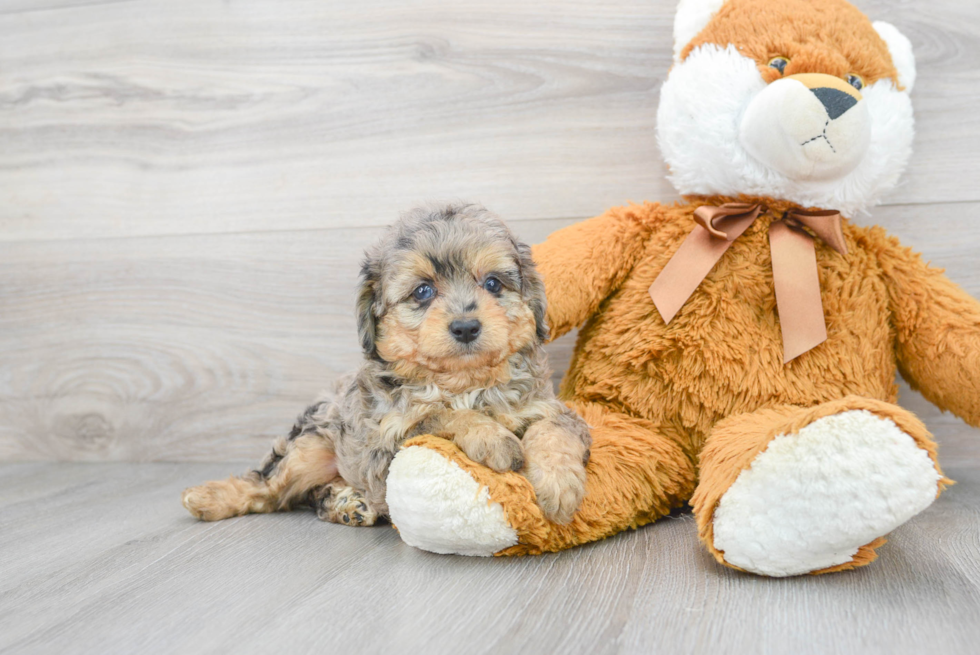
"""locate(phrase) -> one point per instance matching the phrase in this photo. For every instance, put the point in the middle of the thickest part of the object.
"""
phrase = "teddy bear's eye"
(779, 63)
(855, 81)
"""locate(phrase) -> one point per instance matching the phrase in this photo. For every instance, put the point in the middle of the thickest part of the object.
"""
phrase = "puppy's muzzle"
(465, 331)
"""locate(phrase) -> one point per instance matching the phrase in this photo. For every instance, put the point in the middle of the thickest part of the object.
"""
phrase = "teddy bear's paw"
(812, 499)
(559, 488)
(439, 507)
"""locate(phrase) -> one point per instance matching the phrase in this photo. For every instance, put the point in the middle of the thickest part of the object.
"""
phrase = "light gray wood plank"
(184, 348)
(202, 348)
(30, 6)
(109, 562)
(186, 117)
(190, 116)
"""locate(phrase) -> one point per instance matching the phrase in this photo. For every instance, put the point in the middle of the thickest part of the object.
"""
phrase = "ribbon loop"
(729, 216)
(794, 264)
(826, 224)
(699, 253)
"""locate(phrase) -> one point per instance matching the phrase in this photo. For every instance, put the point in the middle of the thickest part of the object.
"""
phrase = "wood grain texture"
(178, 348)
(101, 558)
(192, 116)
(204, 347)
(196, 116)
(186, 187)
(185, 190)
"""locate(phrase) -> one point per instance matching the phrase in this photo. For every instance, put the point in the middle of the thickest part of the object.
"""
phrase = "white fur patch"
(900, 49)
(789, 129)
(692, 16)
(810, 500)
(701, 108)
(440, 508)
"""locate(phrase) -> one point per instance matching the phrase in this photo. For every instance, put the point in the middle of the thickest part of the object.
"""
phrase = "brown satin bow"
(794, 266)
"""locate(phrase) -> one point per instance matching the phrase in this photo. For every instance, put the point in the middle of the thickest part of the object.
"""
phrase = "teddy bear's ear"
(692, 16)
(901, 50)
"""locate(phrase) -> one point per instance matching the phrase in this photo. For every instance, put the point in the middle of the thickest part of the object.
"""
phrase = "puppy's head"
(448, 295)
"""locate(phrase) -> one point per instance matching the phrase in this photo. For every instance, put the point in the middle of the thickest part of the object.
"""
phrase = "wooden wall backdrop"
(186, 187)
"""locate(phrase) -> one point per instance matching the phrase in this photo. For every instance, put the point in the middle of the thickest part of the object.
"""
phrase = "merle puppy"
(451, 317)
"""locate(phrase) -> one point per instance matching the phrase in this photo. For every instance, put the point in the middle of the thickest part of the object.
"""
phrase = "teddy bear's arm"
(585, 262)
(937, 328)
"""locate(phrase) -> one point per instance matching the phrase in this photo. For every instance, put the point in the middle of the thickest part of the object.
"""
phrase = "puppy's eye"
(779, 63)
(424, 292)
(492, 285)
(855, 81)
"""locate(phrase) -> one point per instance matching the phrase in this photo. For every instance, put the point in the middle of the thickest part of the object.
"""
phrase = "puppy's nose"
(465, 331)
(834, 101)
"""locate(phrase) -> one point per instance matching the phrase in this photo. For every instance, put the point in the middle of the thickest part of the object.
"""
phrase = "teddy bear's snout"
(807, 127)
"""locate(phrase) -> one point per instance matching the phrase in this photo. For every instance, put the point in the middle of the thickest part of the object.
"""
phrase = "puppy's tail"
(293, 469)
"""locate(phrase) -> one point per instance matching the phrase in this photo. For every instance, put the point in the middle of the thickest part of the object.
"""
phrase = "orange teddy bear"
(739, 349)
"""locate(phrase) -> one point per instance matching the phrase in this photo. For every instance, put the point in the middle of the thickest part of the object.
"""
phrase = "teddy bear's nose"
(834, 101)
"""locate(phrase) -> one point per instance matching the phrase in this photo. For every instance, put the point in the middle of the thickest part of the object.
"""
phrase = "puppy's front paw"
(494, 446)
(559, 488)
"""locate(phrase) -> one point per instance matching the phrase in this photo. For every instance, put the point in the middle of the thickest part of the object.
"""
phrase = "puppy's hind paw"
(214, 501)
(559, 489)
(344, 505)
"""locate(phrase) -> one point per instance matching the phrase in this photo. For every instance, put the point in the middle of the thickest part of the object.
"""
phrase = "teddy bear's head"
(802, 100)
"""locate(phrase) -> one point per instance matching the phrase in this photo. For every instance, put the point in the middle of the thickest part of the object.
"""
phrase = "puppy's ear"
(532, 289)
(368, 297)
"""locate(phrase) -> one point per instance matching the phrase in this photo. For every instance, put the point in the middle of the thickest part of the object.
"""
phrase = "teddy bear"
(737, 350)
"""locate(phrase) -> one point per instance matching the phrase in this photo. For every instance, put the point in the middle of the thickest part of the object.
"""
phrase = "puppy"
(451, 317)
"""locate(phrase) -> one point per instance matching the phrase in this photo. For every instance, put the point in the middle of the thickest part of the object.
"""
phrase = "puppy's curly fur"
(451, 317)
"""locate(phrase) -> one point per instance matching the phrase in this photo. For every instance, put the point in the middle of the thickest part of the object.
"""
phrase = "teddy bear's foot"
(442, 501)
(439, 507)
(821, 492)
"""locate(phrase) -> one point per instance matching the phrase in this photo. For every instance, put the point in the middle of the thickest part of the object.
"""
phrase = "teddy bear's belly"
(723, 354)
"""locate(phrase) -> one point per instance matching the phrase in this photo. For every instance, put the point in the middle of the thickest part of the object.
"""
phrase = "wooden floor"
(185, 190)
(101, 558)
